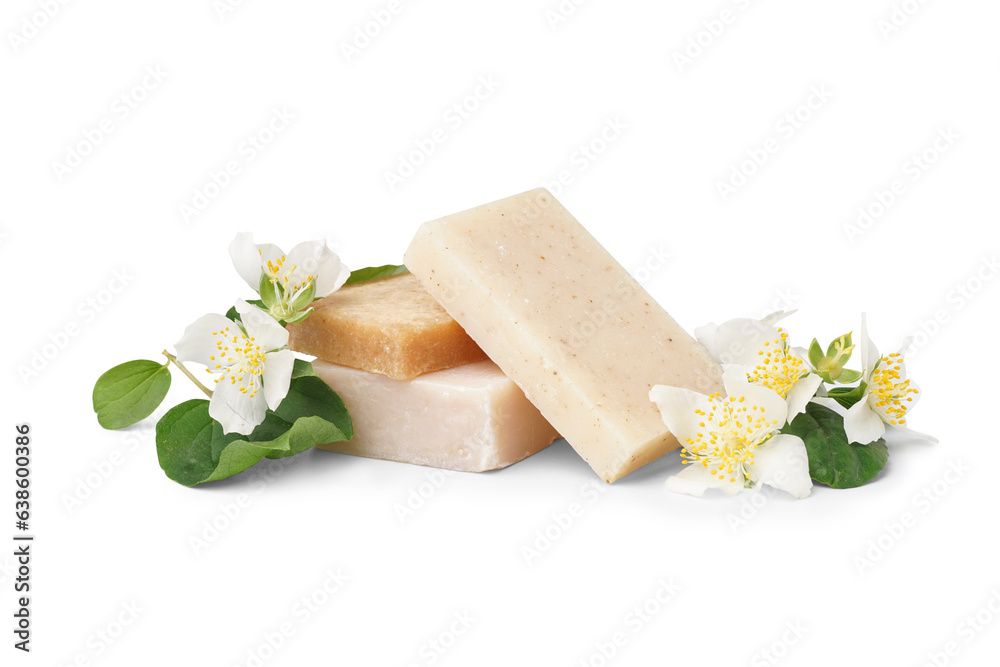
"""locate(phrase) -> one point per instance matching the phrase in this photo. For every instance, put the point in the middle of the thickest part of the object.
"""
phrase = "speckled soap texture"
(565, 321)
(390, 326)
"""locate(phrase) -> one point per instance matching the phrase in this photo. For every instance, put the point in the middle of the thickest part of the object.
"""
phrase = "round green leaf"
(184, 442)
(192, 448)
(832, 459)
(130, 392)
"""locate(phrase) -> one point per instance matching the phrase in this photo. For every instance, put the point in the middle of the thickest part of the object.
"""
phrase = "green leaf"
(847, 376)
(130, 392)
(299, 316)
(830, 366)
(270, 291)
(832, 459)
(376, 272)
(184, 442)
(302, 368)
(192, 449)
(303, 300)
(815, 353)
(832, 350)
(840, 349)
(310, 396)
(848, 396)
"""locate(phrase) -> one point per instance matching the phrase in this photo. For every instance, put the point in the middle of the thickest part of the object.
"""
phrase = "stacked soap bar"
(391, 326)
(562, 319)
(418, 389)
(469, 418)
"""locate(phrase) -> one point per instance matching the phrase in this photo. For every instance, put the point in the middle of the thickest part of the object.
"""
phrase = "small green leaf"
(840, 349)
(832, 459)
(270, 291)
(847, 376)
(192, 448)
(233, 315)
(302, 368)
(815, 353)
(847, 396)
(305, 298)
(299, 316)
(375, 272)
(130, 392)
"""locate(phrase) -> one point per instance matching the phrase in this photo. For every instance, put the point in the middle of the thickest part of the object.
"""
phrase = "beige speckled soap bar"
(470, 418)
(553, 309)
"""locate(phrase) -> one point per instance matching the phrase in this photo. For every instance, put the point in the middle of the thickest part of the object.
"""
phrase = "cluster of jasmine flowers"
(247, 357)
(732, 440)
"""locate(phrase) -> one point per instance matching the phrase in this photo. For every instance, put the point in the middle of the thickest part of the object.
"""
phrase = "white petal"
(916, 434)
(801, 393)
(259, 325)
(771, 406)
(198, 344)
(677, 406)
(277, 376)
(828, 402)
(695, 478)
(306, 257)
(869, 353)
(782, 462)
(737, 341)
(314, 258)
(862, 424)
(268, 252)
(237, 411)
(907, 345)
(332, 279)
(706, 335)
(777, 316)
(246, 259)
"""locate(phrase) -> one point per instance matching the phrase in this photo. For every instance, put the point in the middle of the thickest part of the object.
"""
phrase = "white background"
(676, 130)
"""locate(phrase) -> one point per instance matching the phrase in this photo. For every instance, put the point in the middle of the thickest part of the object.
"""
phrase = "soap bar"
(565, 321)
(390, 326)
(471, 418)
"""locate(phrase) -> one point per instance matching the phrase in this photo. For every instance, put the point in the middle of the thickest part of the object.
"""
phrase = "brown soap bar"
(390, 326)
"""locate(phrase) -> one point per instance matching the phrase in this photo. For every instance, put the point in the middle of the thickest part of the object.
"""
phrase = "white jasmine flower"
(730, 442)
(762, 348)
(288, 284)
(251, 366)
(888, 394)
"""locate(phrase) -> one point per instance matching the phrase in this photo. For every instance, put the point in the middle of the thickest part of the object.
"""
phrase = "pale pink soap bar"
(556, 312)
(470, 418)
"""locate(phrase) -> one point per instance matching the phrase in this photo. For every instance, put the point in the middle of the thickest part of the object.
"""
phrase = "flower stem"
(172, 359)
